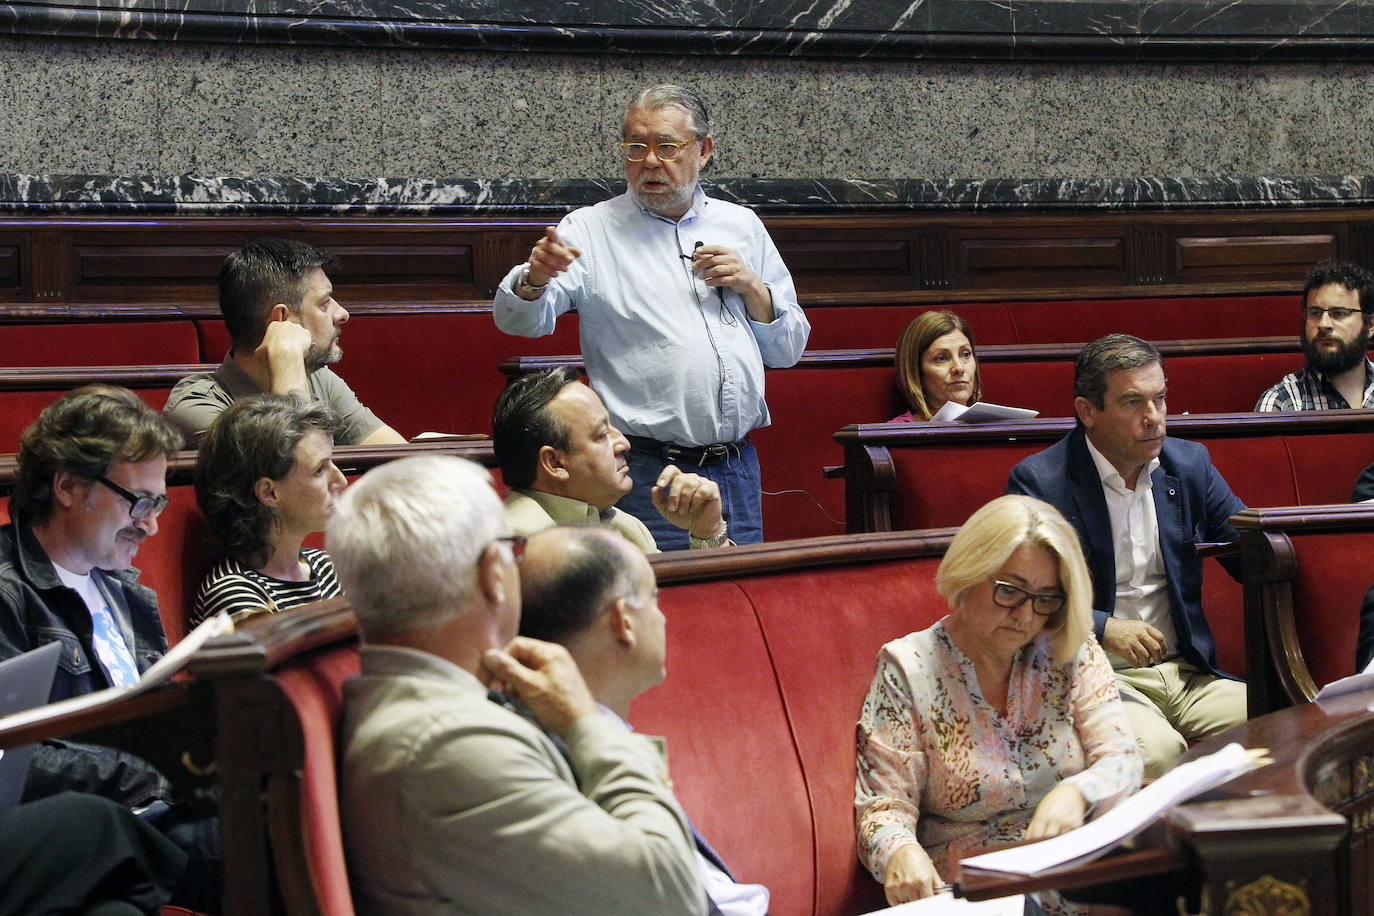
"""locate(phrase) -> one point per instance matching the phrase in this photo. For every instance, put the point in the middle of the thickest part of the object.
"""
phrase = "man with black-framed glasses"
(1337, 315)
(682, 299)
(89, 487)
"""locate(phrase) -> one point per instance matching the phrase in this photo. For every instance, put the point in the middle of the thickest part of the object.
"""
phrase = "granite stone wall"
(154, 108)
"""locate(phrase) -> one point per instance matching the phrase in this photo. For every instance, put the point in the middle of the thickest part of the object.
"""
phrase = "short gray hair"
(665, 95)
(1102, 357)
(406, 540)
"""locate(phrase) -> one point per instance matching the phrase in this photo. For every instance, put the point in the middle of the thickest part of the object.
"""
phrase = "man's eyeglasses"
(140, 507)
(665, 152)
(1315, 314)
(1011, 597)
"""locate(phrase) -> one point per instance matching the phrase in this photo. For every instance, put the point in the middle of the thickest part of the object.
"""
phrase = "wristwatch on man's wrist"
(525, 289)
(720, 540)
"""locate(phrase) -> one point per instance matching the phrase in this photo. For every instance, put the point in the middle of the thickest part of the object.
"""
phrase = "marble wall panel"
(242, 110)
(485, 115)
(182, 109)
(73, 106)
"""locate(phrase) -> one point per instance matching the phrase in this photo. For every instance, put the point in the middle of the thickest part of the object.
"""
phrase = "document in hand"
(1124, 821)
(981, 412)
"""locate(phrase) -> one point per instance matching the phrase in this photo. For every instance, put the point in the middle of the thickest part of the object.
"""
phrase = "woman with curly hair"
(266, 480)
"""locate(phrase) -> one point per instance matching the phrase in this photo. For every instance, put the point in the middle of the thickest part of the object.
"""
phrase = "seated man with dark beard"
(1337, 307)
(285, 326)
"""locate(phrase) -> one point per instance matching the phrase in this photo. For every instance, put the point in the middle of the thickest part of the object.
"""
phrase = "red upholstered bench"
(845, 320)
(771, 648)
(99, 343)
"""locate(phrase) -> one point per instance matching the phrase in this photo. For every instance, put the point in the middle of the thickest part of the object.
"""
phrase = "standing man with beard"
(285, 324)
(682, 299)
(1338, 308)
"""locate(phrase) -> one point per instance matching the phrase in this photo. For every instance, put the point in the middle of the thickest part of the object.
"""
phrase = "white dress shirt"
(672, 358)
(1142, 587)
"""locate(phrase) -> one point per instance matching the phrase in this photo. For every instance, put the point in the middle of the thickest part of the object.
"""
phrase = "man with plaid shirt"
(1338, 308)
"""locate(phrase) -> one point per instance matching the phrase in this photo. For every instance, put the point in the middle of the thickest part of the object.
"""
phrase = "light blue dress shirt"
(669, 358)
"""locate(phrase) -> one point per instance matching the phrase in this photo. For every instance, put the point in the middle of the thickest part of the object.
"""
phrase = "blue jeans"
(740, 497)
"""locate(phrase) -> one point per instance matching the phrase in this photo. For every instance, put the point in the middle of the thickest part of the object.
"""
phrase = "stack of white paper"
(1122, 822)
(981, 412)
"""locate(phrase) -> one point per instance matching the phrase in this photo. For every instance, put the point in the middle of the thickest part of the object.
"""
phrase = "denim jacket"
(35, 609)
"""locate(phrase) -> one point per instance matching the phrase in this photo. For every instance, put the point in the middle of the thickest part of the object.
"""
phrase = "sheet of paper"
(160, 671)
(981, 412)
(948, 903)
(451, 437)
(1340, 687)
(1122, 822)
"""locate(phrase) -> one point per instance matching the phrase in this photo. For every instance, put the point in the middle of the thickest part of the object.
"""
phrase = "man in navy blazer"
(1141, 502)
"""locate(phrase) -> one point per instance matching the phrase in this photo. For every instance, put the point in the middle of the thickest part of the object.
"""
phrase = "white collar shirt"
(1142, 591)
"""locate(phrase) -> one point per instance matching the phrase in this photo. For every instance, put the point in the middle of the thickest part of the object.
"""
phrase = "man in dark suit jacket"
(1141, 502)
(593, 592)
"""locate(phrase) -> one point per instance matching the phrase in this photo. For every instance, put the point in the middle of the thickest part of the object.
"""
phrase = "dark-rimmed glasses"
(140, 507)
(665, 151)
(1314, 314)
(1011, 597)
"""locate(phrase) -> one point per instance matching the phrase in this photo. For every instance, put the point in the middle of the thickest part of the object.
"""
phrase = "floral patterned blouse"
(938, 765)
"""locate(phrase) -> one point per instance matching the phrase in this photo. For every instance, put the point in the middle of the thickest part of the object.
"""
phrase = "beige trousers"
(1172, 703)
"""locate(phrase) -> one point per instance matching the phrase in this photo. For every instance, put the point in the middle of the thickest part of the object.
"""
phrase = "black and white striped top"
(243, 592)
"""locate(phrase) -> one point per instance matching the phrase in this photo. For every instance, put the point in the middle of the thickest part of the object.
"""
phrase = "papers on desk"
(948, 903)
(981, 412)
(449, 437)
(173, 661)
(1341, 686)
(1124, 821)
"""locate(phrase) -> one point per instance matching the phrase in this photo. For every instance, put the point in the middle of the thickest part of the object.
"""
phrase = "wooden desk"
(1290, 838)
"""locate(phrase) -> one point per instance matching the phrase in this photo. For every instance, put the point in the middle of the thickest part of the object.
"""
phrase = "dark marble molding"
(1179, 30)
(103, 194)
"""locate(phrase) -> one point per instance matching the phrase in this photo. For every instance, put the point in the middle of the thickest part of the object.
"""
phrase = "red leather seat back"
(314, 685)
(1044, 386)
(808, 405)
(18, 409)
(1334, 570)
(823, 630)
(868, 326)
(1325, 467)
(733, 762)
(1257, 468)
(1223, 602)
(99, 343)
(1183, 318)
(174, 560)
(1226, 383)
(941, 486)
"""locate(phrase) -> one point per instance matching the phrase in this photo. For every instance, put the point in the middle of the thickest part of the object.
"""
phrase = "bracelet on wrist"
(696, 543)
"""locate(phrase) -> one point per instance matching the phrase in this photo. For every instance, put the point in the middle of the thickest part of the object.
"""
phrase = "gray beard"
(664, 203)
(1334, 362)
(318, 357)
